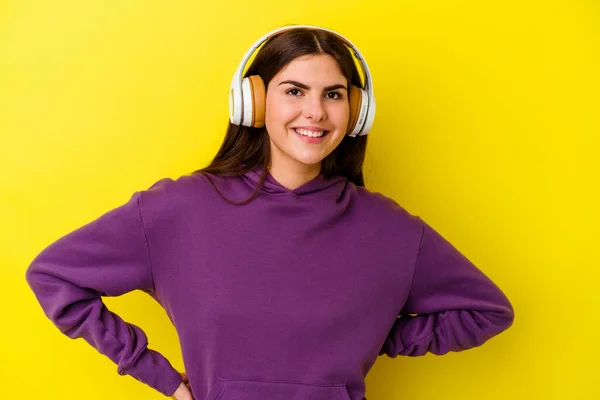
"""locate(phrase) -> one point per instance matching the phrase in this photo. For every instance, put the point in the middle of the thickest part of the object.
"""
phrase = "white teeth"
(310, 133)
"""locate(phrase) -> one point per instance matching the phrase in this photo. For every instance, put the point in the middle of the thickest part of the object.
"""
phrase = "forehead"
(314, 67)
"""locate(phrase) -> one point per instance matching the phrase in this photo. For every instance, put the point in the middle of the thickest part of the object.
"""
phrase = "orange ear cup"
(355, 100)
(259, 100)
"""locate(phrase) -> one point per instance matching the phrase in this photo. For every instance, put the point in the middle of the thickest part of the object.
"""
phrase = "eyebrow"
(306, 87)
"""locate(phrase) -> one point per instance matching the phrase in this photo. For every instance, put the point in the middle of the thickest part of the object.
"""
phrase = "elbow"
(64, 303)
(501, 319)
(41, 283)
(509, 316)
(488, 325)
(49, 291)
(32, 277)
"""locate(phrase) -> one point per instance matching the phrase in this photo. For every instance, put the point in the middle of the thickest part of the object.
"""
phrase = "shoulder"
(174, 189)
(175, 195)
(377, 201)
(193, 189)
(385, 209)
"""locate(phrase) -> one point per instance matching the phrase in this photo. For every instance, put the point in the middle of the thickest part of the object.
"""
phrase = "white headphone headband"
(236, 82)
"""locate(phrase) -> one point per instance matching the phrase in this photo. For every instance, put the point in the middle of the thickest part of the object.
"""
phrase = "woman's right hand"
(183, 391)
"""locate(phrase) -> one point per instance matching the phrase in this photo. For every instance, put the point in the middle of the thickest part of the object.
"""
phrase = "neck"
(292, 177)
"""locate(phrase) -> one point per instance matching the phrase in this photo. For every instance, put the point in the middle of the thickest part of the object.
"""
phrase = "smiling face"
(306, 113)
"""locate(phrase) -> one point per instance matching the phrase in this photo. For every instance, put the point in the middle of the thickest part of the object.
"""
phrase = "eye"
(293, 92)
(334, 95)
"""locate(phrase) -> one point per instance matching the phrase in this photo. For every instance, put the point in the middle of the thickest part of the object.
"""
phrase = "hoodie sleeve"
(457, 306)
(106, 257)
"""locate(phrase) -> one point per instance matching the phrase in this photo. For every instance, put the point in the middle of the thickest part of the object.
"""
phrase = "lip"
(309, 139)
(310, 128)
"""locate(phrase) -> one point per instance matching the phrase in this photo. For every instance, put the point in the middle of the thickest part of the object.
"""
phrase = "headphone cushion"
(259, 100)
(355, 98)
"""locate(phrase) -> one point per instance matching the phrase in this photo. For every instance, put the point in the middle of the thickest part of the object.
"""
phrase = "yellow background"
(487, 126)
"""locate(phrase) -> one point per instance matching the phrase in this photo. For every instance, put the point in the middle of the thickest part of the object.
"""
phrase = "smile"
(310, 133)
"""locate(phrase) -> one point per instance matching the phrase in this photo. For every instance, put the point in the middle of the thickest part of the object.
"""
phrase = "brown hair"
(245, 148)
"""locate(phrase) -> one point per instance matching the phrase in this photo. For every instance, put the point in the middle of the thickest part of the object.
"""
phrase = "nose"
(314, 110)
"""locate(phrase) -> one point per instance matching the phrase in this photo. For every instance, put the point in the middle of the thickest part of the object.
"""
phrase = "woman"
(283, 275)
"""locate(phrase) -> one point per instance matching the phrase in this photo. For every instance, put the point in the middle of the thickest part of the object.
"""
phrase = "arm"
(457, 306)
(106, 257)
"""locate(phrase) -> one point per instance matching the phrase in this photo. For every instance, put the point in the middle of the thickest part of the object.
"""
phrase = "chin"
(307, 162)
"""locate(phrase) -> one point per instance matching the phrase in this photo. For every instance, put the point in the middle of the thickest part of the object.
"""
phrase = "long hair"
(245, 149)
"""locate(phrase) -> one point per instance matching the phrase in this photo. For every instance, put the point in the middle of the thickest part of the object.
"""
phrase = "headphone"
(247, 96)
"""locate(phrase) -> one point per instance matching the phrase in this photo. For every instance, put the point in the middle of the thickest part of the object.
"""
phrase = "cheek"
(280, 111)
(340, 115)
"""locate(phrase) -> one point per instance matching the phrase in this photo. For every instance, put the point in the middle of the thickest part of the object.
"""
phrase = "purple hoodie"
(292, 296)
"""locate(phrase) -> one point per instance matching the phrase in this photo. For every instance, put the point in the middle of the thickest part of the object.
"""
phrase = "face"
(307, 111)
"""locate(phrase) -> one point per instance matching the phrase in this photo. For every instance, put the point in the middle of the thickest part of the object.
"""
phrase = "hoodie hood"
(320, 185)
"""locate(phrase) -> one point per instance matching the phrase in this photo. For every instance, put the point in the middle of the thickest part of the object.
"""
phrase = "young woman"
(284, 276)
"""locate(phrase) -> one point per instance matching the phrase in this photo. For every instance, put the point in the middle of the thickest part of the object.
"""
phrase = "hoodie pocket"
(225, 389)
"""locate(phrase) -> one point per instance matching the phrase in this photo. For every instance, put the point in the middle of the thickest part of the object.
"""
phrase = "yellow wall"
(485, 127)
